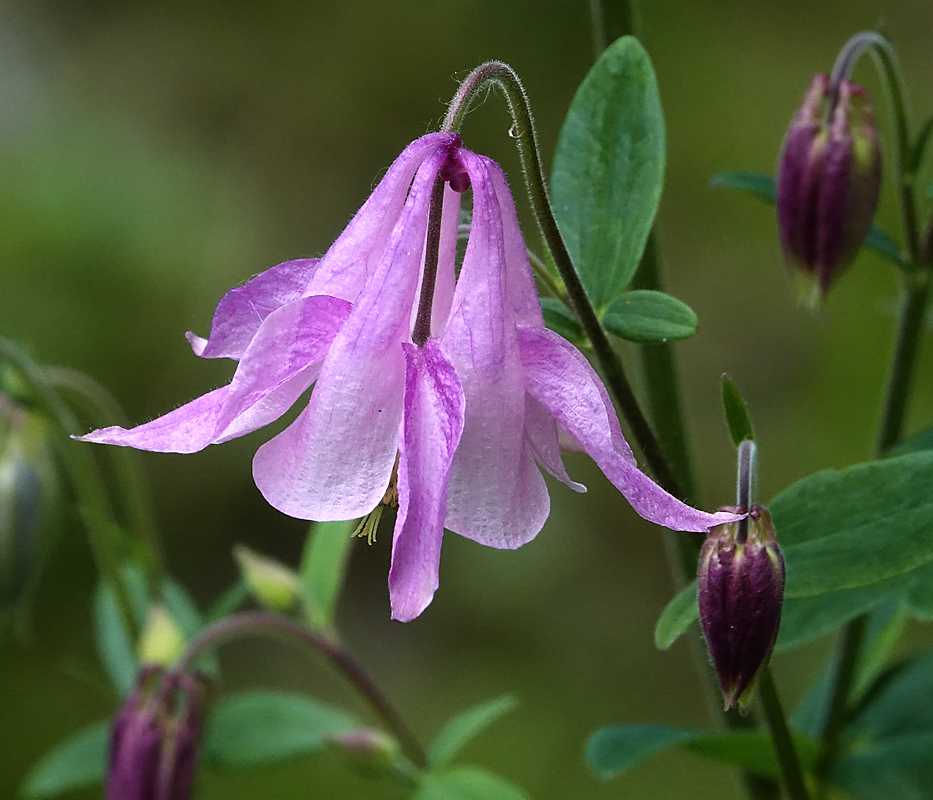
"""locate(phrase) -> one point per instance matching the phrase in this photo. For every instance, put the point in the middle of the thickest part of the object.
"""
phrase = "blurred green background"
(152, 155)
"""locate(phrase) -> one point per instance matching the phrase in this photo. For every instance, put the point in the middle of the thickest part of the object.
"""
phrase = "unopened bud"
(273, 584)
(155, 738)
(371, 752)
(740, 588)
(28, 495)
(828, 181)
(162, 640)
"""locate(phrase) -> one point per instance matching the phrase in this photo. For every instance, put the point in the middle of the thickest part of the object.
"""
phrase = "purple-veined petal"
(185, 430)
(497, 495)
(520, 282)
(241, 311)
(335, 460)
(541, 431)
(281, 362)
(350, 260)
(431, 429)
(561, 379)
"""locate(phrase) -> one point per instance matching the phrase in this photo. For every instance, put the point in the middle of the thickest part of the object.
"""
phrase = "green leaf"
(915, 159)
(891, 737)
(323, 565)
(266, 727)
(560, 319)
(762, 186)
(116, 650)
(612, 751)
(609, 169)
(647, 316)
(76, 762)
(464, 727)
(856, 528)
(466, 783)
(737, 419)
(229, 602)
(678, 615)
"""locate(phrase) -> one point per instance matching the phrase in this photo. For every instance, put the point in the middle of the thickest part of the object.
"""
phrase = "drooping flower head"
(828, 182)
(455, 423)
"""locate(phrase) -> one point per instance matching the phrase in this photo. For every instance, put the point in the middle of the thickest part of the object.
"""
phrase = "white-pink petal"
(431, 430)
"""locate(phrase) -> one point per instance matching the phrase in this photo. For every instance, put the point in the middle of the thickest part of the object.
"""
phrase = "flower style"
(457, 423)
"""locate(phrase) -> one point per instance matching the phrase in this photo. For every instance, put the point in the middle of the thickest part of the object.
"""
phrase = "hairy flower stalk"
(454, 379)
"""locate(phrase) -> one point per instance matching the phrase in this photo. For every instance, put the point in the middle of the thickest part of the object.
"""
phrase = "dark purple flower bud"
(740, 587)
(828, 181)
(155, 738)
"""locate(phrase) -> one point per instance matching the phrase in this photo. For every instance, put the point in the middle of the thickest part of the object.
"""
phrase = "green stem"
(85, 480)
(503, 76)
(791, 772)
(847, 662)
(132, 491)
(886, 63)
(915, 294)
(542, 271)
(261, 622)
(663, 383)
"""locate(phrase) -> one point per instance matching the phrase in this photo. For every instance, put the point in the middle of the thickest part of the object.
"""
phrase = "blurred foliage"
(154, 155)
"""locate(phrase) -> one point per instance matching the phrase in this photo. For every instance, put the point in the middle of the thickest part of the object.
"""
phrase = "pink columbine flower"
(458, 424)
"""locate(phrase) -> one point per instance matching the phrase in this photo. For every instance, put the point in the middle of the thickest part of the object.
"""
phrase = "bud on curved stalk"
(272, 584)
(828, 182)
(155, 738)
(28, 495)
(740, 588)
(369, 752)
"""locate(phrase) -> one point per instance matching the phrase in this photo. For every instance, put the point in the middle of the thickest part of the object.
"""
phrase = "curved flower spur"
(459, 395)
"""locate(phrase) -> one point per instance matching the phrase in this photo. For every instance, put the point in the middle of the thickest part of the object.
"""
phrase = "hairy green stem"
(886, 63)
(85, 480)
(264, 623)
(502, 75)
(791, 772)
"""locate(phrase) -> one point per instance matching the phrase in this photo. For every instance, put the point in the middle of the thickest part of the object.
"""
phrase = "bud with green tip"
(273, 584)
(370, 752)
(155, 738)
(740, 588)
(828, 182)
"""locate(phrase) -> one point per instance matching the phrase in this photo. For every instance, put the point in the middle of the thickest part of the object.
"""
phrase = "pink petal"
(520, 282)
(497, 495)
(431, 428)
(241, 311)
(541, 430)
(185, 430)
(350, 261)
(335, 460)
(561, 379)
(282, 361)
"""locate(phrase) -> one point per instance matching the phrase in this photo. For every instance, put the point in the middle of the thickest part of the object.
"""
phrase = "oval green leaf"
(560, 319)
(76, 762)
(266, 727)
(323, 564)
(609, 169)
(647, 317)
(464, 727)
(678, 615)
